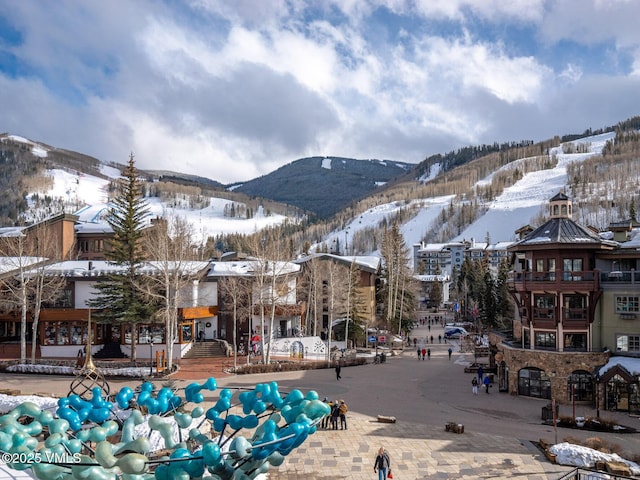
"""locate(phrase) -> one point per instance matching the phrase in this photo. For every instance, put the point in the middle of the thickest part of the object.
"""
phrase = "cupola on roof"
(560, 206)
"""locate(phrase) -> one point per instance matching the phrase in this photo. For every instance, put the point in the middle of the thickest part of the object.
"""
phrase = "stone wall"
(557, 365)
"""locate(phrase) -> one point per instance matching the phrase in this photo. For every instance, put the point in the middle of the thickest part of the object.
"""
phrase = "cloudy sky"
(234, 89)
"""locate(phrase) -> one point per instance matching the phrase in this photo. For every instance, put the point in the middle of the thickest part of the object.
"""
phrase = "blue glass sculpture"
(95, 439)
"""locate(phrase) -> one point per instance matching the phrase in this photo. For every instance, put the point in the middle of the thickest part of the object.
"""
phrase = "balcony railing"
(576, 314)
(565, 276)
(618, 276)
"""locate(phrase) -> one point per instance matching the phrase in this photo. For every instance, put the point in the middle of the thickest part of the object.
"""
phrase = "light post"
(151, 358)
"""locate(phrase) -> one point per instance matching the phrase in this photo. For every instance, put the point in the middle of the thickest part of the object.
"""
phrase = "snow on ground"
(133, 372)
(578, 456)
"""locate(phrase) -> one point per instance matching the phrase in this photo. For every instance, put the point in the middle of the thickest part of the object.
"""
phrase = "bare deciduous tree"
(236, 292)
(170, 272)
(29, 286)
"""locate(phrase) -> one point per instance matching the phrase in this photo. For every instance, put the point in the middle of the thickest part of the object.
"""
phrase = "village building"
(576, 332)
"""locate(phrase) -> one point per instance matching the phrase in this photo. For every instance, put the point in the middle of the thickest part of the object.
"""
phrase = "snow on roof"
(631, 365)
(249, 267)
(432, 278)
(11, 231)
(370, 262)
(500, 246)
(8, 264)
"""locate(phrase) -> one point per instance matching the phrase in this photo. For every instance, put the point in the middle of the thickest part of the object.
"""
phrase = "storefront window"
(580, 386)
(77, 334)
(187, 332)
(63, 333)
(533, 382)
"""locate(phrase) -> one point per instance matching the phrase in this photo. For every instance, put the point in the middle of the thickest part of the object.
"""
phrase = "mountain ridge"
(433, 204)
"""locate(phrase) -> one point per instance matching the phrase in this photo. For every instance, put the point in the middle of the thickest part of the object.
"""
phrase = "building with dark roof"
(571, 317)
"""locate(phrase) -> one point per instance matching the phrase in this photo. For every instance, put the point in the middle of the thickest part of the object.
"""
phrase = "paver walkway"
(423, 395)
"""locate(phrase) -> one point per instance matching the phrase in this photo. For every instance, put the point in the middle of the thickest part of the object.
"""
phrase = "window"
(575, 342)
(580, 386)
(545, 340)
(551, 266)
(97, 246)
(628, 343)
(533, 382)
(187, 332)
(540, 265)
(544, 307)
(570, 265)
(627, 304)
(575, 307)
(83, 245)
(545, 301)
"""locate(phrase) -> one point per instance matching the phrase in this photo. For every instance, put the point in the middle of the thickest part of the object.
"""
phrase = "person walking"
(429, 353)
(424, 352)
(487, 383)
(382, 464)
(474, 386)
(338, 370)
(450, 352)
(480, 373)
(419, 352)
(439, 338)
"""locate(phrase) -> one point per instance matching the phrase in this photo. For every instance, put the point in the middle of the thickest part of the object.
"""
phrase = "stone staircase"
(206, 350)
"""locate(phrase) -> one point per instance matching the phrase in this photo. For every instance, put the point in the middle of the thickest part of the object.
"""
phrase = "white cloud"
(232, 90)
(572, 73)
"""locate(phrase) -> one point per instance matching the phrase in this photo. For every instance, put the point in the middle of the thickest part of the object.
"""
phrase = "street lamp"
(151, 358)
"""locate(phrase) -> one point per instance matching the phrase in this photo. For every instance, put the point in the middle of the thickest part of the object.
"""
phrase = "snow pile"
(579, 456)
(9, 402)
(135, 372)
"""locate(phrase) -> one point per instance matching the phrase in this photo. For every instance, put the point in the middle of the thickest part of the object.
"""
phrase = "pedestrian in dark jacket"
(338, 370)
(382, 464)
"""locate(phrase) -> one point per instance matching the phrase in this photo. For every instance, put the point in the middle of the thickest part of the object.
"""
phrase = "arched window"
(533, 382)
(580, 386)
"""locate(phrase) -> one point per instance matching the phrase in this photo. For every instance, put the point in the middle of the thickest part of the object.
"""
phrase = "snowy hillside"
(518, 204)
(514, 208)
(90, 191)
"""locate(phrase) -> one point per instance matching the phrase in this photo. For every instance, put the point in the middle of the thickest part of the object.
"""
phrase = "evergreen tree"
(504, 306)
(119, 300)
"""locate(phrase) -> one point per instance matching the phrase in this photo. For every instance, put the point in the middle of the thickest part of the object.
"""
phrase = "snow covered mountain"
(515, 206)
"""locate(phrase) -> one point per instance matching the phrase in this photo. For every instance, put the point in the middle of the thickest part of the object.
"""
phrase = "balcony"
(618, 277)
(555, 281)
(543, 317)
(575, 318)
